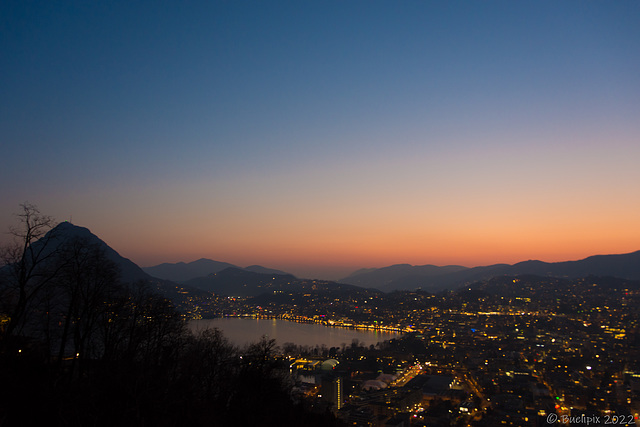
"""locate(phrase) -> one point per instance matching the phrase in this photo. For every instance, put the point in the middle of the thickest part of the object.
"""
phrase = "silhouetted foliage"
(26, 271)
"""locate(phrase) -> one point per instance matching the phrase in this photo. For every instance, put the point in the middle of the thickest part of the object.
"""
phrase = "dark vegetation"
(80, 348)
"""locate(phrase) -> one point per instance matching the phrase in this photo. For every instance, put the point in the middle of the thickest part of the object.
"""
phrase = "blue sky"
(303, 134)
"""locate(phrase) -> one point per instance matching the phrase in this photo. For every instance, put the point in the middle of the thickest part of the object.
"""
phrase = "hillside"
(240, 282)
(433, 279)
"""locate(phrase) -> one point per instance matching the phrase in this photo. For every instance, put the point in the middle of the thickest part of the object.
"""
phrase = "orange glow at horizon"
(316, 141)
(437, 207)
(369, 243)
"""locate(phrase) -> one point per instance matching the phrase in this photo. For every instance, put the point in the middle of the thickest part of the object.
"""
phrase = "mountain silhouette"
(181, 271)
(264, 270)
(227, 279)
(240, 282)
(66, 231)
(401, 276)
(433, 278)
(130, 272)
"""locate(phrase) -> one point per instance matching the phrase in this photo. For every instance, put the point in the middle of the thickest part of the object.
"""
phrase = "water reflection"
(241, 331)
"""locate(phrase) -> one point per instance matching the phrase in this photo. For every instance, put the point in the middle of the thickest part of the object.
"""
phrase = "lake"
(241, 331)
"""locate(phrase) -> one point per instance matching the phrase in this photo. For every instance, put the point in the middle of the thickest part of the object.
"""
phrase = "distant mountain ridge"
(433, 278)
(265, 270)
(387, 275)
(182, 272)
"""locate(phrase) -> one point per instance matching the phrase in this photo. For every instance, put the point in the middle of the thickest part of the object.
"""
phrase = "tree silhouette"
(27, 269)
(85, 285)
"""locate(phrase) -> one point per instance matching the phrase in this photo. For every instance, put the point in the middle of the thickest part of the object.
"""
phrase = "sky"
(323, 137)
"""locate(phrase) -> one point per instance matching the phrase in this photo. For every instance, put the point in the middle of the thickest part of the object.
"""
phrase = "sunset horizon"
(327, 137)
(341, 263)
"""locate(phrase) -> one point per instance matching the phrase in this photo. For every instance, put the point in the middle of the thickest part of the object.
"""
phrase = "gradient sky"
(322, 137)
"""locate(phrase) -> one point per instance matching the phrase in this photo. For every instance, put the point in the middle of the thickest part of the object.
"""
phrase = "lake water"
(241, 331)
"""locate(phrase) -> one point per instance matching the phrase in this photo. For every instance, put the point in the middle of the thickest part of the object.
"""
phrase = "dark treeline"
(354, 349)
(80, 348)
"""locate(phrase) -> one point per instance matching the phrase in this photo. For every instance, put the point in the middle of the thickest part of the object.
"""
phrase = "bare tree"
(209, 364)
(27, 269)
(86, 285)
(140, 326)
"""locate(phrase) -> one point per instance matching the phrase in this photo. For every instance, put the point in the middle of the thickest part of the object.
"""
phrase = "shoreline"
(321, 322)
